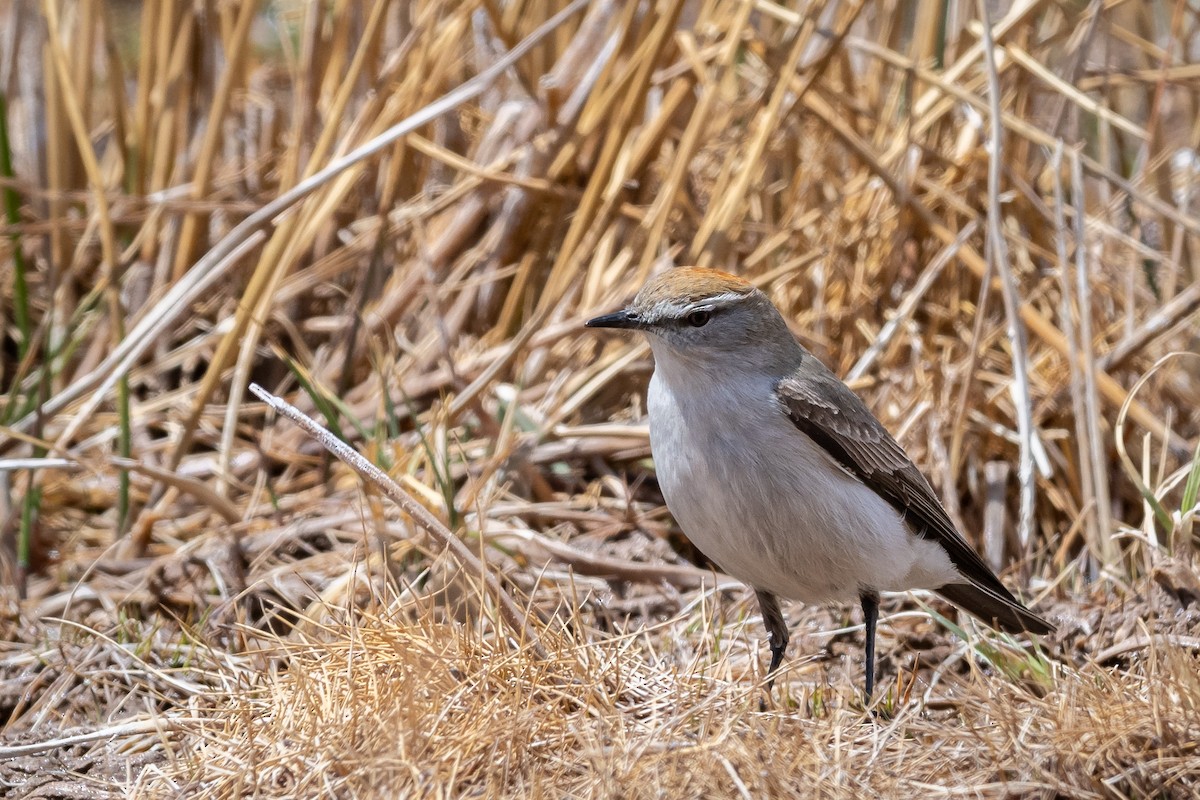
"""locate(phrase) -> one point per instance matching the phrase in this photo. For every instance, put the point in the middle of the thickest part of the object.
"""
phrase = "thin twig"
(910, 301)
(509, 610)
(136, 727)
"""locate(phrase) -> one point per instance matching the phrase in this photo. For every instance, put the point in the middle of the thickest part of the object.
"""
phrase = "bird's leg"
(870, 607)
(777, 631)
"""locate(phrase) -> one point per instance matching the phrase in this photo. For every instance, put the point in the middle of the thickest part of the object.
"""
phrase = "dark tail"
(1004, 613)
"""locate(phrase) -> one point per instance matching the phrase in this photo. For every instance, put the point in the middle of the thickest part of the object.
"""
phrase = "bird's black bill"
(618, 319)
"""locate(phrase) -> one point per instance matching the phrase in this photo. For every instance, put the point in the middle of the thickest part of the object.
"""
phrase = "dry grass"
(393, 707)
(397, 215)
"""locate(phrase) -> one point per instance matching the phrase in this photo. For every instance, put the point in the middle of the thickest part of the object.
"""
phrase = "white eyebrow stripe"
(724, 299)
(675, 309)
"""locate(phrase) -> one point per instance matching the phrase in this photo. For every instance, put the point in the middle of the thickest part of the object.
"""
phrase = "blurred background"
(990, 240)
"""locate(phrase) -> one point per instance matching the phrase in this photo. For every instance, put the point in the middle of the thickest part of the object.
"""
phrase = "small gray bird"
(780, 474)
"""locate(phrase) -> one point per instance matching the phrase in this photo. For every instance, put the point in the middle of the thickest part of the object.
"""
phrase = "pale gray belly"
(771, 508)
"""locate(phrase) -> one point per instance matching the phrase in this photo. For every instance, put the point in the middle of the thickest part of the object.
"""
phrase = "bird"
(781, 475)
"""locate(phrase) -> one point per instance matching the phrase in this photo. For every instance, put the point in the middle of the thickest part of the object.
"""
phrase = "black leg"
(777, 631)
(870, 607)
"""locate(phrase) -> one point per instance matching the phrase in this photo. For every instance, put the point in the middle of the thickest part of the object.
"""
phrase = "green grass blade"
(12, 214)
(1192, 487)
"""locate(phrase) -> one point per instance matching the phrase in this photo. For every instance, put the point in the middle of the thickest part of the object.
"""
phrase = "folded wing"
(828, 412)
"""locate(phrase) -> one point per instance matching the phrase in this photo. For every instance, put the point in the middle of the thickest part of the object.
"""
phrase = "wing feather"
(833, 416)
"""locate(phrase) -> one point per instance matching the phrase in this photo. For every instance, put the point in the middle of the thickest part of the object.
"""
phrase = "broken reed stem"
(1108, 552)
(1012, 302)
(512, 615)
(1087, 486)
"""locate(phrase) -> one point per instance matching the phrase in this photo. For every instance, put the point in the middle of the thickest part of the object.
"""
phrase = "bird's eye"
(698, 319)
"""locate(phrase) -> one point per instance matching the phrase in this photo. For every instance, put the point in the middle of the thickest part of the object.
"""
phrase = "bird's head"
(708, 319)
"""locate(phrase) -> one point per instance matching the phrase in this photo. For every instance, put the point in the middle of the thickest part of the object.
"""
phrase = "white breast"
(770, 506)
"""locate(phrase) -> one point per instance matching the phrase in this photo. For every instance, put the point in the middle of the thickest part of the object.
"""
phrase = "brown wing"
(834, 417)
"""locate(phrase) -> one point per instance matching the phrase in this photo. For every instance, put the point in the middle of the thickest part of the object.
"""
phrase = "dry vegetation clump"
(396, 215)
(394, 706)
